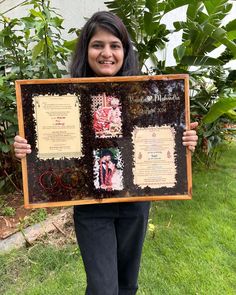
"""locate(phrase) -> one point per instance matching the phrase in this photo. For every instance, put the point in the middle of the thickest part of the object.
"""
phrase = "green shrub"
(7, 211)
(211, 82)
(30, 47)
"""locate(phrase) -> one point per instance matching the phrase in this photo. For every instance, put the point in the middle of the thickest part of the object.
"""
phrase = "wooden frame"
(139, 105)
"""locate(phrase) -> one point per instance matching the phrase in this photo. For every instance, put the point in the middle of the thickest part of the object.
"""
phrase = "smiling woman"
(105, 53)
(104, 44)
(110, 236)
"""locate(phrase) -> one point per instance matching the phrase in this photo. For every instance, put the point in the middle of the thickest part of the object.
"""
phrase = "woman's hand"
(21, 147)
(190, 137)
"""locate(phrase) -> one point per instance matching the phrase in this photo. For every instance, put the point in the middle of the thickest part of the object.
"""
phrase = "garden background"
(190, 247)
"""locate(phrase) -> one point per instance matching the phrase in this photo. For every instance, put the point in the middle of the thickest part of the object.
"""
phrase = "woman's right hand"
(21, 147)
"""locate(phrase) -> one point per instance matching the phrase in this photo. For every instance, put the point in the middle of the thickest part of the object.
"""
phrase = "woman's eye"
(115, 46)
(99, 46)
(96, 45)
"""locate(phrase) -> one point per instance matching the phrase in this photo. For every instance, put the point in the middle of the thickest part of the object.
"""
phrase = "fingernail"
(28, 146)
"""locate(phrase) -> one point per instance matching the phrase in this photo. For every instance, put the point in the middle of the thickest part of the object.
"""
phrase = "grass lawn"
(192, 249)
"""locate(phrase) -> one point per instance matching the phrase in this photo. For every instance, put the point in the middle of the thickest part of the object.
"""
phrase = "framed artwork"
(104, 140)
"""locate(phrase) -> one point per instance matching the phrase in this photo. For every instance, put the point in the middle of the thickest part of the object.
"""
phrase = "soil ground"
(10, 224)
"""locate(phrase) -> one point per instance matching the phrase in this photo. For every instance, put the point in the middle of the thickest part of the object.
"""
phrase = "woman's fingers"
(19, 139)
(191, 148)
(193, 125)
(21, 147)
(190, 137)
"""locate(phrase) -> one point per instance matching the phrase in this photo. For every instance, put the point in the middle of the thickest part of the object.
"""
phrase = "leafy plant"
(37, 216)
(224, 106)
(212, 104)
(9, 166)
(7, 211)
(30, 47)
(143, 21)
(43, 26)
(203, 32)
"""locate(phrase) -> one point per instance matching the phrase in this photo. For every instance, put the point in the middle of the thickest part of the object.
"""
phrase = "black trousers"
(110, 237)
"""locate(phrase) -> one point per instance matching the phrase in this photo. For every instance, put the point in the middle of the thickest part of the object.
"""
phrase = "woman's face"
(105, 54)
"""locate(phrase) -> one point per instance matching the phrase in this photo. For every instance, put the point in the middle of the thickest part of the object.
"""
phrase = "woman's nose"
(106, 52)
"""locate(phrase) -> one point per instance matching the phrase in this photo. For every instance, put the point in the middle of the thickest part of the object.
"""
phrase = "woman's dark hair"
(113, 24)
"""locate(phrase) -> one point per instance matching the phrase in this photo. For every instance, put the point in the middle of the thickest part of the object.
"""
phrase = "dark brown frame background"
(26, 89)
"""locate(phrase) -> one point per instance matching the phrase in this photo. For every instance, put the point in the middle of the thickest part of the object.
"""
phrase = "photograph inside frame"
(106, 141)
(106, 116)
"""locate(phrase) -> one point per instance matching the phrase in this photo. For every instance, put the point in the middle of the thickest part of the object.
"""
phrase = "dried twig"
(8, 176)
(58, 228)
(8, 224)
(27, 242)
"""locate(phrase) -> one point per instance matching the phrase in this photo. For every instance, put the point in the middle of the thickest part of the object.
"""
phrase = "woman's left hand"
(190, 137)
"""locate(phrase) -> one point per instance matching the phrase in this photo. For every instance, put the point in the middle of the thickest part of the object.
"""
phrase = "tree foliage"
(212, 84)
(30, 47)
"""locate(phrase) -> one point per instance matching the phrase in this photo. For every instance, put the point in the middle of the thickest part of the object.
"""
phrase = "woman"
(110, 236)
